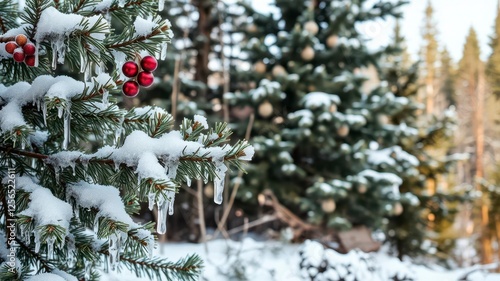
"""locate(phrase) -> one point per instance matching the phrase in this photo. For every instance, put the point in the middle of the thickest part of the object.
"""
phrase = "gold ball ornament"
(259, 67)
(343, 130)
(307, 53)
(209, 190)
(362, 188)
(332, 41)
(265, 109)
(251, 28)
(397, 209)
(383, 119)
(278, 70)
(333, 108)
(328, 206)
(311, 27)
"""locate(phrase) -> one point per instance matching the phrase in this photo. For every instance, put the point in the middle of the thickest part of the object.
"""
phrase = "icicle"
(119, 129)
(151, 200)
(88, 269)
(220, 170)
(60, 111)
(33, 163)
(37, 47)
(171, 168)
(163, 50)
(85, 162)
(161, 224)
(161, 4)
(171, 198)
(23, 145)
(117, 166)
(83, 64)
(67, 130)
(37, 102)
(76, 214)
(114, 251)
(96, 223)
(98, 69)
(70, 259)
(56, 173)
(86, 73)
(44, 112)
(50, 247)
(105, 100)
(151, 246)
(37, 241)
(188, 181)
(54, 56)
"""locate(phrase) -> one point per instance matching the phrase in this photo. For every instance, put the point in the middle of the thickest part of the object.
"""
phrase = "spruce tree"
(471, 108)
(323, 141)
(447, 77)
(430, 56)
(493, 63)
(425, 214)
(74, 165)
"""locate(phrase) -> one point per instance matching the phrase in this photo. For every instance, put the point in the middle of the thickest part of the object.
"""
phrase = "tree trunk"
(487, 254)
(203, 40)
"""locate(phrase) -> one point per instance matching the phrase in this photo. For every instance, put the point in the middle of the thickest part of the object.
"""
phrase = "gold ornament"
(251, 28)
(278, 70)
(397, 209)
(260, 67)
(209, 190)
(311, 27)
(362, 188)
(265, 109)
(328, 205)
(333, 108)
(332, 41)
(343, 130)
(383, 119)
(307, 53)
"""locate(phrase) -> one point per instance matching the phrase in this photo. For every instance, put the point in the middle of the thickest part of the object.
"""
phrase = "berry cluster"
(22, 50)
(142, 76)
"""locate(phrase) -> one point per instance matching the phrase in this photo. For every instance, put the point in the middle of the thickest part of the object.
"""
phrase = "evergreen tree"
(422, 210)
(430, 56)
(471, 108)
(493, 63)
(447, 75)
(74, 165)
(339, 151)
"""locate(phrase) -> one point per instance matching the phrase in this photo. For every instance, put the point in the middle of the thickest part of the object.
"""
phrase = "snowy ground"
(276, 261)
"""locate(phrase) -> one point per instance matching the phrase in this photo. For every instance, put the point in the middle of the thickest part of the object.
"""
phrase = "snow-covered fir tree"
(319, 131)
(329, 137)
(74, 165)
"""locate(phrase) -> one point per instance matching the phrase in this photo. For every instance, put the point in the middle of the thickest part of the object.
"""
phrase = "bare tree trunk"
(204, 30)
(429, 95)
(497, 232)
(487, 254)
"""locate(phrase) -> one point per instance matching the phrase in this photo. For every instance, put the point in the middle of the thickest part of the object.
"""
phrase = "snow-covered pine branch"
(81, 164)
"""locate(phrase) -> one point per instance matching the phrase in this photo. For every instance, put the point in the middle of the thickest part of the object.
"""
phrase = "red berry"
(21, 39)
(149, 63)
(130, 69)
(145, 78)
(30, 60)
(10, 47)
(130, 88)
(19, 55)
(29, 49)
